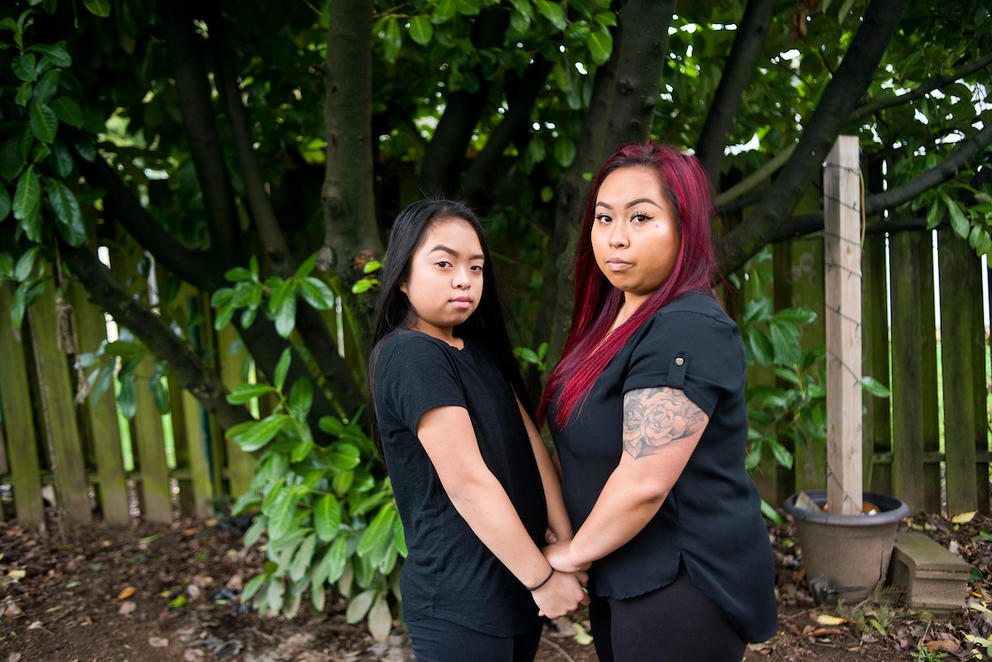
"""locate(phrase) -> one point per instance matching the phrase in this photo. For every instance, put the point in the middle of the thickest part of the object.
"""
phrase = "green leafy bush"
(326, 513)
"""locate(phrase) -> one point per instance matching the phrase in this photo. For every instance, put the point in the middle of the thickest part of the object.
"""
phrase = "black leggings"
(676, 623)
(435, 640)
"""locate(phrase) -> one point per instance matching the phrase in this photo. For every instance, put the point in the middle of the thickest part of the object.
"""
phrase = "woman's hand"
(560, 595)
(559, 556)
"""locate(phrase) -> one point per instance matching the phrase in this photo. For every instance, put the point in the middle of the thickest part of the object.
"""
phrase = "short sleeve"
(412, 376)
(697, 353)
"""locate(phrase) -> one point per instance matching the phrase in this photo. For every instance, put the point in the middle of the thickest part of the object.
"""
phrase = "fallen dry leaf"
(827, 619)
(821, 632)
(126, 593)
(942, 645)
(158, 642)
(963, 518)
(128, 607)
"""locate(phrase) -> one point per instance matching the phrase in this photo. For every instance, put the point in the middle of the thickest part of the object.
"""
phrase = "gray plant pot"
(846, 555)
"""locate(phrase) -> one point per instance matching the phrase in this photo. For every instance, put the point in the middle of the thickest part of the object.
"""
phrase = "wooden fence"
(928, 444)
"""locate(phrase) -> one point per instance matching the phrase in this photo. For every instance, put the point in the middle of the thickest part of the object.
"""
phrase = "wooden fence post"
(59, 411)
(960, 287)
(876, 437)
(842, 261)
(240, 465)
(15, 398)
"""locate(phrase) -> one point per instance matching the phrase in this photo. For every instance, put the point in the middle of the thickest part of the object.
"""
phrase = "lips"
(461, 302)
(617, 264)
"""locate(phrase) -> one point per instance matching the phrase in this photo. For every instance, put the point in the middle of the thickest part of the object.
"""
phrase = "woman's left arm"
(661, 428)
(558, 520)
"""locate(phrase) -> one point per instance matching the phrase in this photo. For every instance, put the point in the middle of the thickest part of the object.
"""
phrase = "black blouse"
(449, 574)
(711, 520)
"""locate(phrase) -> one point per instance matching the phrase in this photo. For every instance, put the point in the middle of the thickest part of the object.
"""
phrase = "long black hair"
(393, 310)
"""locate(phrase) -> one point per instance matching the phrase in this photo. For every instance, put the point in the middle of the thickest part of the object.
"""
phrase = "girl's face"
(635, 235)
(445, 282)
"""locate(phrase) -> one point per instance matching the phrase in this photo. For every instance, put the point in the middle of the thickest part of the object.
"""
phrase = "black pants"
(435, 640)
(676, 623)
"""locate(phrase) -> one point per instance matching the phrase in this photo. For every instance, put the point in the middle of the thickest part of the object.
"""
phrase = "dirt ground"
(169, 594)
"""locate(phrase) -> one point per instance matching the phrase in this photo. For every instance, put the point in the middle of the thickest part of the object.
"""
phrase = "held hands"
(560, 558)
(561, 594)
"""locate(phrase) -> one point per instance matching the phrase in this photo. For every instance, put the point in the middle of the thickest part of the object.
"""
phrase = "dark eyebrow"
(630, 204)
(454, 253)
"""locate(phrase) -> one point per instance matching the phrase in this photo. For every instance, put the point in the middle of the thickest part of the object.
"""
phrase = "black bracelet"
(546, 580)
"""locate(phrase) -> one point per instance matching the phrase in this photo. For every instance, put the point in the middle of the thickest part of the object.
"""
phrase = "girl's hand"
(560, 558)
(562, 594)
(549, 536)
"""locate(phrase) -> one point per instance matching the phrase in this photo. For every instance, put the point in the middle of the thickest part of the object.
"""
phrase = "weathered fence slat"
(61, 426)
(876, 437)
(100, 417)
(914, 400)
(799, 282)
(240, 465)
(15, 398)
(959, 273)
(979, 390)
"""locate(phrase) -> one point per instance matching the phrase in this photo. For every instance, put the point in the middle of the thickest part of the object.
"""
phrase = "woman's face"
(445, 282)
(635, 235)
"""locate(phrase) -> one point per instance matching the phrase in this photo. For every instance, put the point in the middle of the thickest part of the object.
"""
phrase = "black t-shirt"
(449, 574)
(712, 518)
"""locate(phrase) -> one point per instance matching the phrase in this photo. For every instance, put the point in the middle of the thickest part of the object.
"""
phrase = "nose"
(618, 235)
(459, 278)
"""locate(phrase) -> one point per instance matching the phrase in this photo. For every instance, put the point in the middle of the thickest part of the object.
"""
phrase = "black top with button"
(449, 574)
(712, 518)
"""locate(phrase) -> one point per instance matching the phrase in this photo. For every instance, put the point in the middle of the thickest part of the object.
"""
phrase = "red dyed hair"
(597, 302)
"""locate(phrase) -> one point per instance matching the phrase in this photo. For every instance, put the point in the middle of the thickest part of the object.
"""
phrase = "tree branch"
(204, 143)
(748, 45)
(844, 89)
(934, 84)
(194, 267)
(521, 96)
(935, 176)
(258, 203)
(442, 162)
(107, 293)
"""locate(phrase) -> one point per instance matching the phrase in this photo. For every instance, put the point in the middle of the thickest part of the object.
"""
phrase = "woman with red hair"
(648, 415)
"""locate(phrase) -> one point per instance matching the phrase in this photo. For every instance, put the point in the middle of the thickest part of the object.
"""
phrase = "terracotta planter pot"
(846, 555)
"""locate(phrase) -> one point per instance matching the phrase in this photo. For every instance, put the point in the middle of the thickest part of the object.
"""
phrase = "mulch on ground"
(170, 594)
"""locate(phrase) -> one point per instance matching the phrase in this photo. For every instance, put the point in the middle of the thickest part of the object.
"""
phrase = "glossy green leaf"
(393, 40)
(99, 8)
(380, 619)
(286, 317)
(25, 67)
(600, 45)
(261, 432)
(301, 560)
(56, 53)
(933, 215)
(282, 368)
(4, 203)
(11, 162)
(68, 215)
(27, 196)
(564, 152)
(781, 453)
(337, 559)
(379, 531)
(553, 12)
(959, 223)
(315, 292)
(301, 398)
(344, 456)
(46, 86)
(327, 517)
(421, 30)
(44, 122)
(359, 606)
(875, 387)
(247, 392)
(61, 160)
(127, 398)
(160, 395)
(68, 111)
(251, 588)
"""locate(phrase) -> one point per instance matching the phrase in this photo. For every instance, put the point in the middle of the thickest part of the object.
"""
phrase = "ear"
(404, 288)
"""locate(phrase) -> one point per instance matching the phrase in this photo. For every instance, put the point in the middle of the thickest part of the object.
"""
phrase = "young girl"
(474, 485)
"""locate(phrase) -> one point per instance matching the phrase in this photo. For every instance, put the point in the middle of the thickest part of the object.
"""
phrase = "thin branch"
(755, 178)
(106, 292)
(933, 84)
(935, 176)
(844, 89)
(748, 45)
(123, 205)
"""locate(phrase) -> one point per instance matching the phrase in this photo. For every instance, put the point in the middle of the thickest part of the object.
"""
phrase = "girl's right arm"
(447, 436)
